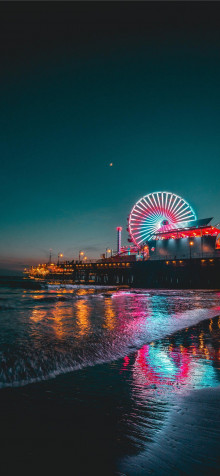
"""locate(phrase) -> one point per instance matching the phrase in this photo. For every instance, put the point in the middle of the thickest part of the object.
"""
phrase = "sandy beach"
(153, 411)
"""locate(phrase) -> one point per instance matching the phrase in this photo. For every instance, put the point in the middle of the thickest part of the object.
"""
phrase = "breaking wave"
(45, 334)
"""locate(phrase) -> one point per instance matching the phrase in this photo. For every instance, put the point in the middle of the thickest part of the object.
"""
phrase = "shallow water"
(121, 380)
(47, 332)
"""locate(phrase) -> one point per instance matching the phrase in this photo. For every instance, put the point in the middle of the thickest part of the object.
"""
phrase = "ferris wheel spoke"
(156, 205)
(139, 209)
(183, 207)
(184, 213)
(148, 204)
(174, 201)
(162, 202)
(165, 200)
(151, 202)
(178, 206)
(144, 209)
(143, 235)
(168, 201)
(184, 216)
(159, 202)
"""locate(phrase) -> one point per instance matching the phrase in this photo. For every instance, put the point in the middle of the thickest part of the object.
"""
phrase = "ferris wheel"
(153, 211)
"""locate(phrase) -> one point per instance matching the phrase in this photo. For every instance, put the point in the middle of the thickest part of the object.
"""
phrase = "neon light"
(150, 211)
(191, 233)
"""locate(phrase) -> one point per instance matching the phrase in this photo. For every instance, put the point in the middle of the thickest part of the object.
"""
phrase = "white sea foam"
(59, 333)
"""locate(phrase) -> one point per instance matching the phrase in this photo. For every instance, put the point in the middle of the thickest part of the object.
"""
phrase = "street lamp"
(191, 243)
(50, 258)
(60, 255)
(81, 253)
(85, 258)
(108, 250)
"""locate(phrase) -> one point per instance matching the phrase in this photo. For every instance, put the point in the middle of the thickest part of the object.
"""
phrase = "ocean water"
(105, 378)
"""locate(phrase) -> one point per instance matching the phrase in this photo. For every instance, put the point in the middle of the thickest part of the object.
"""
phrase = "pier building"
(168, 248)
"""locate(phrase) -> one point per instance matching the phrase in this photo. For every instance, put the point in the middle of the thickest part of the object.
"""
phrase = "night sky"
(87, 84)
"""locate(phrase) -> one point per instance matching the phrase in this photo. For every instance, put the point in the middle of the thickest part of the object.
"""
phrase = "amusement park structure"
(168, 247)
(164, 226)
(156, 211)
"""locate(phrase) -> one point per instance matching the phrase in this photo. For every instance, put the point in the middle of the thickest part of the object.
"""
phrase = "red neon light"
(218, 242)
(212, 231)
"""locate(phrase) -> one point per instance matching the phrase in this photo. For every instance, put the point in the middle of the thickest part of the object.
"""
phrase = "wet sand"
(188, 442)
(154, 412)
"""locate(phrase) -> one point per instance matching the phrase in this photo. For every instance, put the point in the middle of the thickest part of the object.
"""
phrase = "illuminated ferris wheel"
(155, 210)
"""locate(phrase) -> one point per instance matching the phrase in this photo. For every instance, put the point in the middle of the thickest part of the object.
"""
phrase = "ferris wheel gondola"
(155, 210)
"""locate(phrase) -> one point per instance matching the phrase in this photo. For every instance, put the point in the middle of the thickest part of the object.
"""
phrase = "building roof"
(181, 226)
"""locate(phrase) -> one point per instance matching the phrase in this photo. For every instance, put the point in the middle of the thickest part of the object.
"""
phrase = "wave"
(32, 368)
(77, 286)
(34, 365)
(43, 339)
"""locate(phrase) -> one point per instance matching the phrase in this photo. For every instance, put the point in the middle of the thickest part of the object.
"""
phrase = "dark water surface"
(98, 381)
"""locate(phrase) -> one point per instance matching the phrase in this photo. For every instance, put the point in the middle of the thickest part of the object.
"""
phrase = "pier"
(192, 273)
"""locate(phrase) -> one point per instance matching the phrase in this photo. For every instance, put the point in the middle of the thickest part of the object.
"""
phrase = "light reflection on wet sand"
(181, 372)
(89, 326)
(151, 407)
(82, 317)
(110, 316)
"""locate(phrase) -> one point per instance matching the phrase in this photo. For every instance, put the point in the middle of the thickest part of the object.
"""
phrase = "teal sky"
(91, 84)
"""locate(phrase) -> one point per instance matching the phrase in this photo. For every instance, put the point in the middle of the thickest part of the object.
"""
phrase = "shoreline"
(121, 418)
(75, 367)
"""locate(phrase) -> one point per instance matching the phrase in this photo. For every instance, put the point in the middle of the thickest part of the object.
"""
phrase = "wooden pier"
(172, 274)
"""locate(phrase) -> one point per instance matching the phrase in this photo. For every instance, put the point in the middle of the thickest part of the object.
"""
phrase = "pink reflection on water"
(160, 367)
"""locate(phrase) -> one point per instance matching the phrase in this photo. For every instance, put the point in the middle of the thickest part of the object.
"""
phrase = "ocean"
(99, 380)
